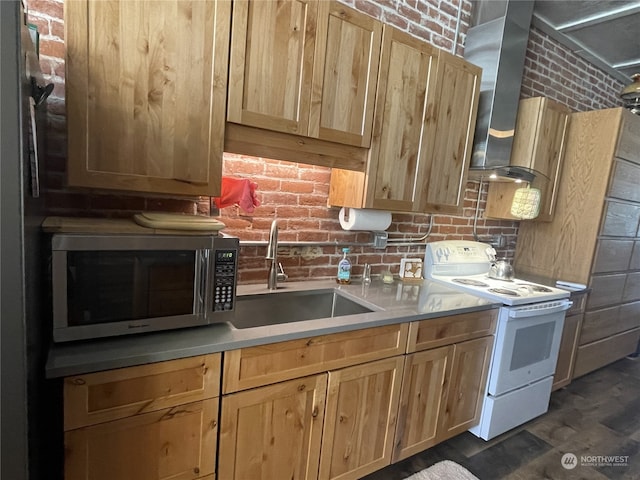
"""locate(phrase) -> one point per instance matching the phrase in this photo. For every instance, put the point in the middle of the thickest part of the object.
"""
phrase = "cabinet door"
(421, 401)
(448, 130)
(568, 349)
(406, 95)
(178, 443)
(548, 154)
(146, 91)
(273, 432)
(271, 64)
(345, 75)
(360, 419)
(467, 384)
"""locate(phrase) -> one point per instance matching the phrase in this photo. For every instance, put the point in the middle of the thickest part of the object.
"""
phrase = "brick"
(396, 20)
(50, 8)
(56, 29)
(297, 187)
(368, 7)
(52, 48)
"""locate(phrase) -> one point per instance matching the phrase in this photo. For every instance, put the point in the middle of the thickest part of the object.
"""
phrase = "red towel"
(238, 191)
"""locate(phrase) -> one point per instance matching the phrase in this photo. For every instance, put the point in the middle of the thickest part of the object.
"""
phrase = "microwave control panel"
(224, 279)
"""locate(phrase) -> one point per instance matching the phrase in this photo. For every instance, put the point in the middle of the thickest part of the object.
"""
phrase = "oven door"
(527, 344)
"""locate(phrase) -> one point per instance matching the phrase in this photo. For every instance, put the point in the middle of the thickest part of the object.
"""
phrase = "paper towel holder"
(380, 240)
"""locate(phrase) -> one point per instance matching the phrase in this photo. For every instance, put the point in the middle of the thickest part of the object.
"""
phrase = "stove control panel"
(459, 251)
(456, 257)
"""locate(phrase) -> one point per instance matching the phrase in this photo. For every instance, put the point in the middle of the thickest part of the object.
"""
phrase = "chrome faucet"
(276, 272)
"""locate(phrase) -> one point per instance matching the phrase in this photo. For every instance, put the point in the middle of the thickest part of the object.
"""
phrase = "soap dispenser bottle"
(344, 269)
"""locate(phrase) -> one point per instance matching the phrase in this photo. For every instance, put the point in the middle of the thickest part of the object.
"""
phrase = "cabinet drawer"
(620, 219)
(631, 287)
(436, 332)
(629, 316)
(634, 264)
(599, 324)
(178, 443)
(109, 395)
(603, 352)
(629, 143)
(625, 181)
(606, 290)
(255, 366)
(604, 323)
(612, 255)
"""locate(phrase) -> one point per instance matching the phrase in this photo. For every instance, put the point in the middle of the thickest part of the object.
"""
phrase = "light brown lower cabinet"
(469, 371)
(567, 352)
(177, 443)
(442, 392)
(423, 389)
(276, 431)
(329, 407)
(360, 419)
(150, 422)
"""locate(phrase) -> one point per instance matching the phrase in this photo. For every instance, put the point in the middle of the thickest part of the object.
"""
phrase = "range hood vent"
(497, 42)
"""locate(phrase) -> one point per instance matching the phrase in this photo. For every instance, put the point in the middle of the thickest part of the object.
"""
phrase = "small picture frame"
(411, 269)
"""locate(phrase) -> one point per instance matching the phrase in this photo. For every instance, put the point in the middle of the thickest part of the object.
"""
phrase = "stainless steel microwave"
(106, 285)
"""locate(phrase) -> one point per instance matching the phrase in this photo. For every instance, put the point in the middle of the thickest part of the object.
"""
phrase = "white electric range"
(465, 265)
(527, 338)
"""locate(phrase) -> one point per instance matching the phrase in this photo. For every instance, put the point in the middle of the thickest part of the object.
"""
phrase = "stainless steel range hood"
(497, 42)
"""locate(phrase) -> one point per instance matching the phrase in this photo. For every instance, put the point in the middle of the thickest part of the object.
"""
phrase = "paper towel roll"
(364, 219)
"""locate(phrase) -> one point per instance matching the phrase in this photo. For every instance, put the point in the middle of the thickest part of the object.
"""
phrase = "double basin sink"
(295, 306)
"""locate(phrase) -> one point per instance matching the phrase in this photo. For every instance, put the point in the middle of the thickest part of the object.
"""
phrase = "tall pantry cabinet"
(594, 238)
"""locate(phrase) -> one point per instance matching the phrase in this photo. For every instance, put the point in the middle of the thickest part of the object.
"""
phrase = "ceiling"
(606, 33)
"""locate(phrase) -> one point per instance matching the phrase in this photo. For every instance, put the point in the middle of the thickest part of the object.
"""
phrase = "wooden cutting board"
(84, 225)
(178, 221)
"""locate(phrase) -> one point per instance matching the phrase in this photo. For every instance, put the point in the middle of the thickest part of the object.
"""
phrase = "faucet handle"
(281, 275)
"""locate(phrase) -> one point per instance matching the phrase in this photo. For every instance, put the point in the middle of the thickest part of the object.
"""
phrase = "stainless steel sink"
(276, 308)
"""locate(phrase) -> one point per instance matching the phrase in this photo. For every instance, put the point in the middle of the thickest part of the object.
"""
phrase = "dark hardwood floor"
(597, 415)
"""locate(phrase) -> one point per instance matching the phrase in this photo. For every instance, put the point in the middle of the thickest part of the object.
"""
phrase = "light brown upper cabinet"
(304, 67)
(146, 92)
(423, 127)
(538, 144)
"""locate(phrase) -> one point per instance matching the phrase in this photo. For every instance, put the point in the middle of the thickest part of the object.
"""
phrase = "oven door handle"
(542, 309)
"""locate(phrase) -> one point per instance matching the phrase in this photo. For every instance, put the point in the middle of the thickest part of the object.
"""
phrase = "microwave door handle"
(541, 310)
(200, 282)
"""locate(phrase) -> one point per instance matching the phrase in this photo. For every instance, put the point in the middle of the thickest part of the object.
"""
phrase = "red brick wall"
(296, 193)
